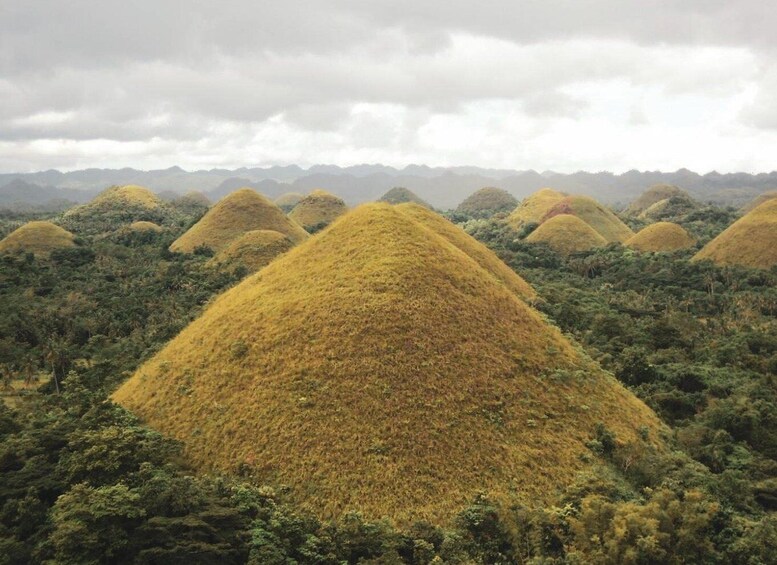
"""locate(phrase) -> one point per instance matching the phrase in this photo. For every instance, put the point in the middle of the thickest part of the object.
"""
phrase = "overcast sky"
(543, 84)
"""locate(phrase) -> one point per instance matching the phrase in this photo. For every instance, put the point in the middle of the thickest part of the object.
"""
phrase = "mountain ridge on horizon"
(443, 187)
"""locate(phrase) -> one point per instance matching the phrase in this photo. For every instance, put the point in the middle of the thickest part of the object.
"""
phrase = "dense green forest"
(83, 481)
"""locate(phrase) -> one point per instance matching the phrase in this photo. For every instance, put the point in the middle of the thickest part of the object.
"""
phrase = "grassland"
(661, 236)
(380, 367)
(38, 238)
(567, 234)
(237, 213)
(751, 241)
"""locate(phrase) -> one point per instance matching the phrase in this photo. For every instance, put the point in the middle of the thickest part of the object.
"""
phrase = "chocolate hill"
(237, 213)
(253, 250)
(751, 241)
(653, 195)
(533, 208)
(402, 195)
(317, 210)
(567, 234)
(116, 206)
(599, 217)
(661, 236)
(38, 238)
(379, 367)
(487, 201)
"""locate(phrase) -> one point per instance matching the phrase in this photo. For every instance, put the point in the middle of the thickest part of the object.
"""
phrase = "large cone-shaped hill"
(38, 238)
(654, 194)
(237, 213)
(288, 200)
(600, 218)
(567, 234)
(317, 210)
(488, 201)
(378, 367)
(534, 207)
(402, 195)
(116, 206)
(758, 200)
(751, 241)
(253, 250)
(661, 236)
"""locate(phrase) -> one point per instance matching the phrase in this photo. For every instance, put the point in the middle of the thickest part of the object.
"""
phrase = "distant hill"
(661, 236)
(402, 195)
(317, 210)
(487, 201)
(38, 238)
(534, 207)
(596, 215)
(441, 187)
(567, 234)
(379, 368)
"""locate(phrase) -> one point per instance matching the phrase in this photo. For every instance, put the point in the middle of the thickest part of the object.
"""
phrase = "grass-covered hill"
(288, 200)
(653, 195)
(39, 238)
(252, 250)
(758, 200)
(317, 210)
(751, 241)
(402, 382)
(533, 208)
(402, 195)
(599, 217)
(567, 234)
(237, 213)
(486, 202)
(116, 206)
(143, 226)
(661, 236)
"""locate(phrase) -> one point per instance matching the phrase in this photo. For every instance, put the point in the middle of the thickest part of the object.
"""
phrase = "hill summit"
(600, 218)
(38, 238)
(653, 195)
(402, 195)
(534, 207)
(237, 213)
(115, 206)
(751, 241)
(379, 367)
(253, 250)
(567, 234)
(661, 236)
(487, 202)
(317, 210)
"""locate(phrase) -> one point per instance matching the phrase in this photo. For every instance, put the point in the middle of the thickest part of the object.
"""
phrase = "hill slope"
(237, 213)
(115, 206)
(654, 194)
(487, 201)
(400, 383)
(602, 219)
(534, 207)
(751, 241)
(401, 195)
(253, 249)
(38, 238)
(288, 200)
(317, 210)
(567, 234)
(661, 236)
(758, 200)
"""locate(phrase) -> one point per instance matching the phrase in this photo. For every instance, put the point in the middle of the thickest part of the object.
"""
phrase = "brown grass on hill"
(567, 234)
(317, 210)
(253, 250)
(145, 226)
(602, 219)
(758, 200)
(402, 195)
(237, 213)
(661, 236)
(751, 241)
(534, 207)
(288, 200)
(38, 238)
(654, 194)
(377, 367)
(478, 252)
(488, 200)
(117, 197)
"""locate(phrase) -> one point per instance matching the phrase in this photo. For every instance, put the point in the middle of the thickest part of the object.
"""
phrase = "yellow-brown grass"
(478, 252)
(253, 250)
(661, 236)
(145, 226)
(377, 367)
(488, 200)
(534, 207)
(38, 238)
(118, 197)
(758, 200)
(654, 194)
(317, 210)
(600, 218)
(751, 241)
(567, 234)
(288, 200)
(402, 195)
(237, 213)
